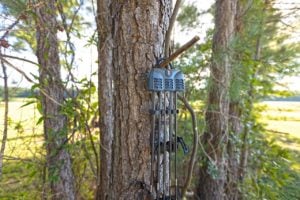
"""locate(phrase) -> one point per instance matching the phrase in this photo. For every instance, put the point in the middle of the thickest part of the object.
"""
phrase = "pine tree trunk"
(59, 166)
(105, 97)
(235, 127)
(127, 51)
(250, 101)
(235, 112)
(213, 172)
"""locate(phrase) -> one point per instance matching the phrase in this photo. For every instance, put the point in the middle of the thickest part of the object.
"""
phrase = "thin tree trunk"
(235, 127)
(5, 122)
(105, 97)
(213, 172)
(60, 173)
(235, 113)
(127, 51)
(245, 146)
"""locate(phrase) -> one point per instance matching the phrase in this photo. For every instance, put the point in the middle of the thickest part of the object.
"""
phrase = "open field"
(282, 121)
(24, 135)
(24, 155)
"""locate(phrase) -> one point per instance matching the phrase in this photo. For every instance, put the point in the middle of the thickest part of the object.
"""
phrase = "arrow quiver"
(164, 84)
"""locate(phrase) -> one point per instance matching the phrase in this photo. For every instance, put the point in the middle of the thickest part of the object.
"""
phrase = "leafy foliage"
(269, 170)
(188, 17)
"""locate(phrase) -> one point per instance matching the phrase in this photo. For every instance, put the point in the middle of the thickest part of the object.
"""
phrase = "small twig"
(18, 58)
(10, 28)
(93, 145)
(21, 16)
(274, 131)
(286, 24)
(179, 51)
(5, 126)
(89, 159)
(17, 69)
(23, 159)
(29, 79)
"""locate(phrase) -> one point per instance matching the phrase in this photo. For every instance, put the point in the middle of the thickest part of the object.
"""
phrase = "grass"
(282, 121)
(24, 161)
(20, 180)
(24, 152)
(24, 135)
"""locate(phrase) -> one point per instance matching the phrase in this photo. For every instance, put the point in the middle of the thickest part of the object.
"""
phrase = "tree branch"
(179, 51)
(18, 58)
(171, 25)
(10, 28)
(195, 145)
(28, 79)
(183, 99)
(17, 69)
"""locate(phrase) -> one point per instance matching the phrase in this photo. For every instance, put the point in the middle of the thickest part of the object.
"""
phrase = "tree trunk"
(5, 122)
(235, 111)
(248, 116)
(131, 37)
(105, 97)
(235, 127)
(213, 171)
(244, 155)
(59, 166)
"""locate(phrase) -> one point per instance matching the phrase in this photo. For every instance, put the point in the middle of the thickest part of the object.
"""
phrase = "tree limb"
(18, 58)
(179, 51)
(28, 79)
(10, 28)
(183, 99)
(17, 69)
(171, 25)
(195, 145)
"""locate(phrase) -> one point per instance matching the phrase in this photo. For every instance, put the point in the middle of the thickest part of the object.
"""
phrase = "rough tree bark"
(105, 97)
(235, 127)
(213, 172)
(235, 112)
(131, 37)
(59, 166)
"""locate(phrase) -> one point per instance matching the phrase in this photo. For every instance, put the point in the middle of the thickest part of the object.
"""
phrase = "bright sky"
(86, 56)
(291, 24)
